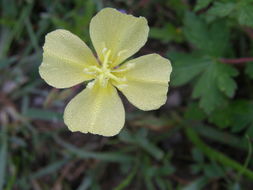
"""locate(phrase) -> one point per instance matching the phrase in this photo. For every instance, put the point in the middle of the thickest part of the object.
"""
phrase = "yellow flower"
(98, 109)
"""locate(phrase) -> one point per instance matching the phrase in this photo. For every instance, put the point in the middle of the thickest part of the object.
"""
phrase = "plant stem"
(236, 60)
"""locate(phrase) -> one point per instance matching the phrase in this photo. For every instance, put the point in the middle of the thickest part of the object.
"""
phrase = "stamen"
(94, 68)
(117, 79)
(88, 71)
(103, 80)
(104, 50)
(126, 67)
(106, 58)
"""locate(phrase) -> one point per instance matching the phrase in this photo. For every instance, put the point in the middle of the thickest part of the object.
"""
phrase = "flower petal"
(123, 34)
(147, 83)
(96, 110)
(64, 58)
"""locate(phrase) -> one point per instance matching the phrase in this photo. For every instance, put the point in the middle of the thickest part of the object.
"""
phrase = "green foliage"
(166, 33)
(221, 9)
(215, 77)
(212, 40)
(218, 82)
(202, 4)
(78, 18)
(186, 67)
(241, 11)
(237, 116)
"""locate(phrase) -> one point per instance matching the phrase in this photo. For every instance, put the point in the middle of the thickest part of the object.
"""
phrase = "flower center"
(104, 73)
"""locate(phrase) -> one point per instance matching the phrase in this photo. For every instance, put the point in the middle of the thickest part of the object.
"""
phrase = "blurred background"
(200, 139)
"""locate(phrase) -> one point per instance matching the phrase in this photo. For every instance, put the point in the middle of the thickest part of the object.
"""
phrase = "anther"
(106, 58)
(104, 50)
(87, 71)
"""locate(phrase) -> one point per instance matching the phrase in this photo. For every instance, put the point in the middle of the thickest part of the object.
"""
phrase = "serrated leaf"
(195, 31)
(210, 86)
(238, 115)
(212, 40)
(245, 15)
(207, 90)
(227, 85)
(219, 38)
(186, 67)
(220, 9)
(242, 115)
(225, 81)
(201, 4)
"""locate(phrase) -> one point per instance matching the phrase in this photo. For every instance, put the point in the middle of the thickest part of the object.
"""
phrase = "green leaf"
(210, 86)
(186, 67)
(195, 30)
(227, 85)
(207, 90)
(117, 156)
(242, 115)
(220, 9)
(245, 15)
(223, 137)
(34, 113)
(237, 115)
(225, 81)
(219, 38)
(142, 141)
(201, 4)
(212, 40)
(249, 70)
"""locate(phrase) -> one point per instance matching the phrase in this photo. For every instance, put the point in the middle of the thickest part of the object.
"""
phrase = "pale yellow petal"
(123, 34)
(96, 110)
(147, 82)
(64, 58)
